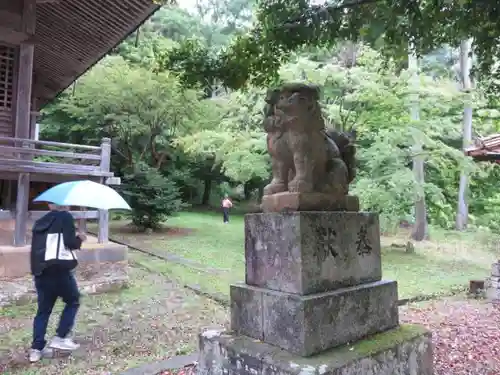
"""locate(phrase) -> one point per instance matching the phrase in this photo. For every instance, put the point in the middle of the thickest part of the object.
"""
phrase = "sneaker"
(35, 355)
(63, 344)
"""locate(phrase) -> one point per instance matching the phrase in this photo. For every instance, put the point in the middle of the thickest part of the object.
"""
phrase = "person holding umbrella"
(52, 261)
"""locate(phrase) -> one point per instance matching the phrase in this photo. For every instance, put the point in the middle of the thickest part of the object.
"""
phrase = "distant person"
(52, 261)
(226, 205)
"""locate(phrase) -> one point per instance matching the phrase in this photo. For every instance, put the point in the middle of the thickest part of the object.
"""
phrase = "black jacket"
(53, 223)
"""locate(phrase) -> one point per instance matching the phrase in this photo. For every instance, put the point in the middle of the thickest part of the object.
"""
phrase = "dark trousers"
(50, 286)
(225, 213)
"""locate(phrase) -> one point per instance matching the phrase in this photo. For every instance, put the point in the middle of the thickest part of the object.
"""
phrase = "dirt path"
(466, 335)
(154, 319)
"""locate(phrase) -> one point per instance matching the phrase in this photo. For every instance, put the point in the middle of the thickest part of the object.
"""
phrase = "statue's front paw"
(274, 188)
(300, 186)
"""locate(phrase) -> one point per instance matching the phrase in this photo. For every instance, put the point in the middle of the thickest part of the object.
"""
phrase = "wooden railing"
(35, 215)
(31, 156)
(28, 158)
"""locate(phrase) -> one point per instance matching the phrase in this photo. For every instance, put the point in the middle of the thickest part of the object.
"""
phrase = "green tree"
(152, 196)
(142, 112)
(237, 144)
(284, 26)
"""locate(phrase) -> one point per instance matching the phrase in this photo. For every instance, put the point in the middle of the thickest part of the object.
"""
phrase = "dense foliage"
(175, 143)
(152, 196)
(285, 26)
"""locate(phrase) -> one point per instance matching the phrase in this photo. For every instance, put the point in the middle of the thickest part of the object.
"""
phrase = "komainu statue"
(311, 163)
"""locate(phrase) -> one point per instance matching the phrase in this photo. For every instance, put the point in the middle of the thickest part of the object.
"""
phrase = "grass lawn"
(447, 262)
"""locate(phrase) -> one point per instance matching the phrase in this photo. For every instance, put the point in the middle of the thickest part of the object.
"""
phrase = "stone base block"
(493, 282)
(495, 269)
(312, 252)
(306, 325)
(105, 253)
(492, 286)
(15, 261)
(406, 350)
(308, 202)
(493, 294)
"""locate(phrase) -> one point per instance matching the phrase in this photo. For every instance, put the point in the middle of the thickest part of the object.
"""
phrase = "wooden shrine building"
(485, 149)
(45, 45)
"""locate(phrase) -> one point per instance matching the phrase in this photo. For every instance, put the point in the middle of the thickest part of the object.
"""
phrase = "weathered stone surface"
(406, 350)
(494, 282)
(311, 252)
(493, 294)
(110, 252)
(305, 156)
(246, 310)
(286, 202)
(306, 325)
(15, 261)
(495, 269)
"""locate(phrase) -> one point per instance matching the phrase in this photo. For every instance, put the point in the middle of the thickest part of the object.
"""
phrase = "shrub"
(152, 196)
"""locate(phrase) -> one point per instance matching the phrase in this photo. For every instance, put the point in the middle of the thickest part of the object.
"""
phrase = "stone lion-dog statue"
(305, 156)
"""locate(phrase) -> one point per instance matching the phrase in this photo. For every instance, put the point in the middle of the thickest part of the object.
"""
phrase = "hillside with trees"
(182, 99)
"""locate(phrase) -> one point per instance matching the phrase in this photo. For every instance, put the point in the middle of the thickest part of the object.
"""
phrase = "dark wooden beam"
(10, 20)
(13, 37)
(22, 200)
(24, 81)
(29, 17)
(23, 117)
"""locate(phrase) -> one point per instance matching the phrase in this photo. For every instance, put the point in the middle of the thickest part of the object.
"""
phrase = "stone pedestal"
(312, 301)
(312, 252)
(406, 350)
(306, 325)
(492, 284)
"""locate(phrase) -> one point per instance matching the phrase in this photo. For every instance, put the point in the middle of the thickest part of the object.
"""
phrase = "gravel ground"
(154, 319)
(466, 335)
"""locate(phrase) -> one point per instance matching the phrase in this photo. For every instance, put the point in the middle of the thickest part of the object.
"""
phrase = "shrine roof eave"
(490, 156)
(71, 36)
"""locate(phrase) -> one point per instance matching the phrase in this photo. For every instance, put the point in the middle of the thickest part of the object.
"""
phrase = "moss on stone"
(376, 346)
(386, 340)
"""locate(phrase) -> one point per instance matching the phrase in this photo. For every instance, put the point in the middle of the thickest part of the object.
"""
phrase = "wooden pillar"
(23, 117)
(105, 167)
(82, 222)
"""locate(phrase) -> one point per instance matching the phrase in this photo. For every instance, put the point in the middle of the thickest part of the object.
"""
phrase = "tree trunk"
(465, 67)
(261, 190)
(205, 200)
(247, 191)
(419, 232)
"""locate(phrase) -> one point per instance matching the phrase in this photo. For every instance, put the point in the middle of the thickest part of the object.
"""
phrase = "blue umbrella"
(84, 194)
